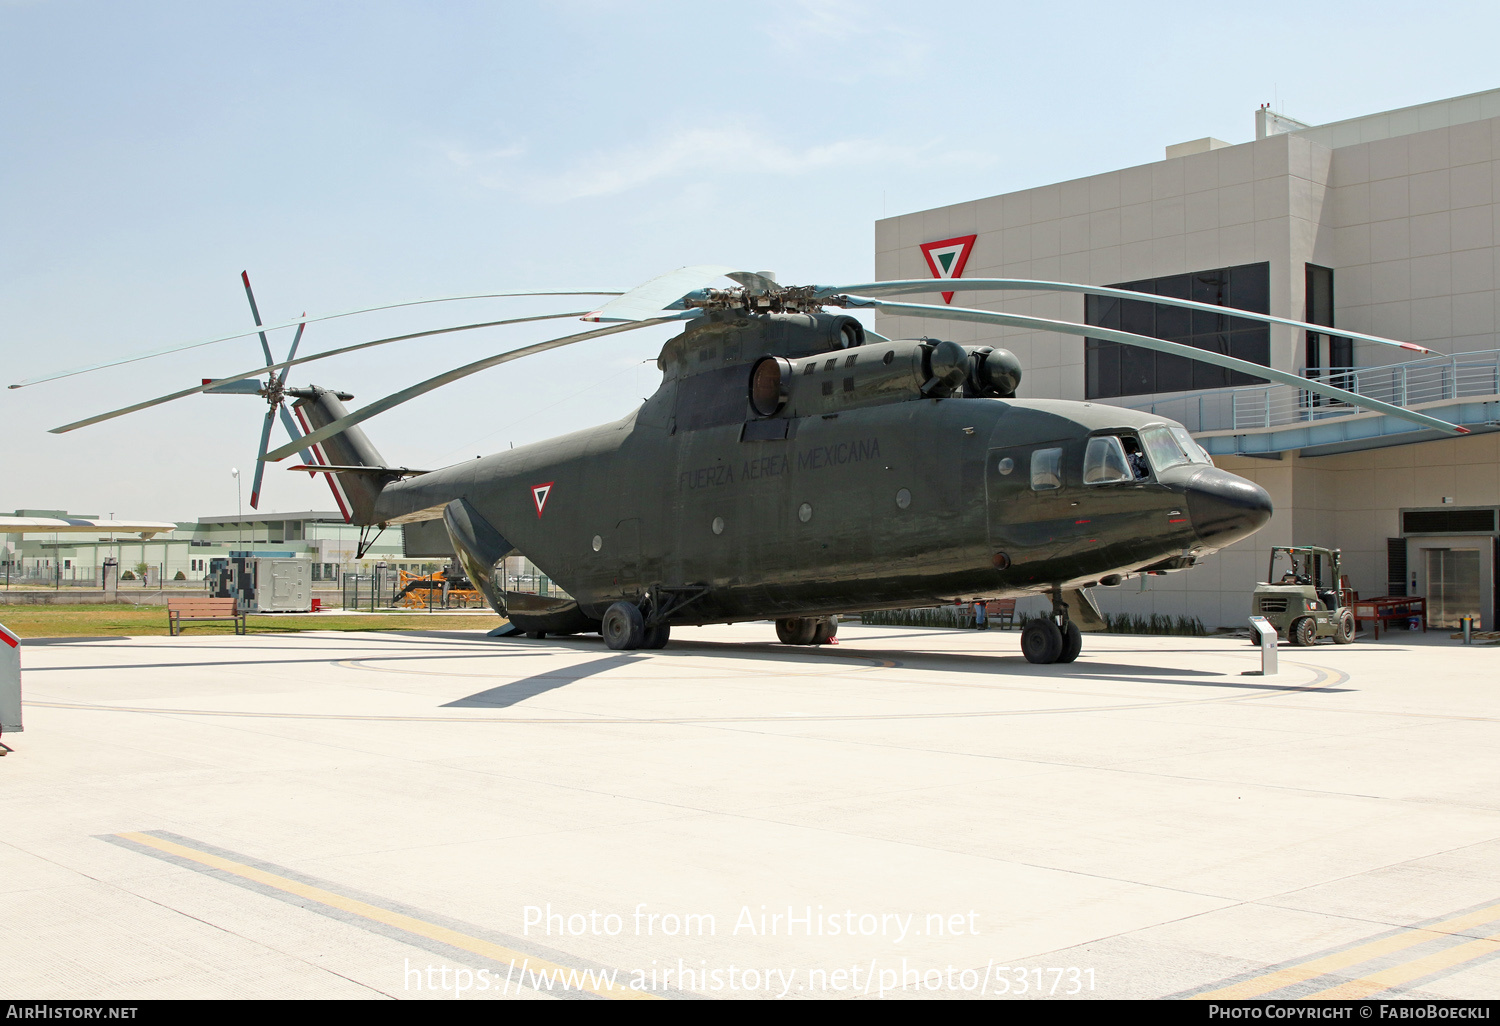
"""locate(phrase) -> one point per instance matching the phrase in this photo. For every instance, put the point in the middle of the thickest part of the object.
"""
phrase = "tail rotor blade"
(265, 441)
(255, 312)
(291, 429)
(292, 354)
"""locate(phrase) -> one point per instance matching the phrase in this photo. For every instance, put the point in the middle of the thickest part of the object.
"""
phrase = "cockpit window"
(1195, 452)
(1104, 462)
(1046, 469)
(1162, 449)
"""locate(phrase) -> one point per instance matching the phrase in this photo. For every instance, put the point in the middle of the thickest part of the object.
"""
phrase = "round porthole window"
(804, 512)
(718, 525)
(1006, 465)
(903, 499)
(598, 543)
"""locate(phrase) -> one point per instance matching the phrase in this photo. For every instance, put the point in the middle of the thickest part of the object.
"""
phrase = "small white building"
(1384, 224)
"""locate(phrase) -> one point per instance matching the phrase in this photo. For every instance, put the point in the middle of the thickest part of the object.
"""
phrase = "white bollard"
(10, 682)
(1263, 632)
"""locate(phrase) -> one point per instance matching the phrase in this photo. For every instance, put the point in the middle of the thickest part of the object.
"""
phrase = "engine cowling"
(879, 373)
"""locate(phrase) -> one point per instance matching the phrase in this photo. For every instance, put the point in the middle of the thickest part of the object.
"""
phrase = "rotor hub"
(775, 299)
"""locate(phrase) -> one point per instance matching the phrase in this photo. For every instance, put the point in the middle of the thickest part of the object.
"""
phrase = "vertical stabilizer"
(354, 493)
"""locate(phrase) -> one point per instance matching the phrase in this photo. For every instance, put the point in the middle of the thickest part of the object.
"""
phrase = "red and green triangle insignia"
(946, 258)
(539, 495)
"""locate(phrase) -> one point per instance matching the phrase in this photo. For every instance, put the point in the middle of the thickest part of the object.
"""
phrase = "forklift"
(1305, 600)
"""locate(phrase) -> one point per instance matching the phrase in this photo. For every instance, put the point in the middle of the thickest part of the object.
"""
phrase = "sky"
(348, 154)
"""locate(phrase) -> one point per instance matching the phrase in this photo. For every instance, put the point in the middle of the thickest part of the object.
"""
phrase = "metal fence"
(1402, 384)
(369, 591)
(14, 574)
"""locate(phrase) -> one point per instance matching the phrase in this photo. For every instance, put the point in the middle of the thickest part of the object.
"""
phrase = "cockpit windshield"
(1195, 452)
(1170, 447)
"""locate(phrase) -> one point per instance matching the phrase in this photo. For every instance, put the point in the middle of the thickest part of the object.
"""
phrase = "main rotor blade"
(289, 363)
(291, 429)
(397, 398)
(255, 312)
(658, 294)
(302, 320)
(959, 313)
(265, 442)
(911, 285)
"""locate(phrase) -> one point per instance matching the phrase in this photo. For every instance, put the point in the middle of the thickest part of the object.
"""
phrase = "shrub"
(1158, 623)
(127, 576)
(179, 576)
(940, 616)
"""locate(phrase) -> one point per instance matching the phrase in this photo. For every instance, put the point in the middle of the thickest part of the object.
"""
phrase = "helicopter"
(794, 465)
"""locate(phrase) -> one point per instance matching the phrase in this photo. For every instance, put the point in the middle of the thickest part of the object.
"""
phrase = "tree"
(140, 571)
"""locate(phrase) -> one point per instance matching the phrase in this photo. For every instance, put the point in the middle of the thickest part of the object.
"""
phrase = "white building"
(1384, 224)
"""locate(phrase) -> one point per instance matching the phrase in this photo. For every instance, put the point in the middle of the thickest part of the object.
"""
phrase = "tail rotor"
(275, 395)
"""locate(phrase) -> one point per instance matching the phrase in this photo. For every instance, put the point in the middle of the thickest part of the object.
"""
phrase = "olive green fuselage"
(828, 506)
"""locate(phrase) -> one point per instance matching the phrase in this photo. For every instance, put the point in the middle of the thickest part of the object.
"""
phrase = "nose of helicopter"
(1225, 507)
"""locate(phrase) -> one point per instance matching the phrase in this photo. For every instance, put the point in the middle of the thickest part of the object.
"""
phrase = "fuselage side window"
(1046, 469)
(1104, 462)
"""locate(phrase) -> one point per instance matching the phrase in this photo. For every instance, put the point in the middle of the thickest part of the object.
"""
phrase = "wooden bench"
(1001, 613)
(180, 610)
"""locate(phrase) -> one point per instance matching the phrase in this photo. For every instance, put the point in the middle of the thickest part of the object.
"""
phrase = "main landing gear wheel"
(623, 626)
(1345, 633)
(1041, 641)
(1304, 632)
(1072, 643)
(656, 637)
(824, 631)
(796, 631)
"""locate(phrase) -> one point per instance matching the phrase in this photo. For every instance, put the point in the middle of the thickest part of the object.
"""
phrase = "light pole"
(239, 505)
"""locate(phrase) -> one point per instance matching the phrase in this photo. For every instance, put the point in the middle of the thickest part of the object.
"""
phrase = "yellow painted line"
(1385, 979)
(375, 913)
(1351, 956)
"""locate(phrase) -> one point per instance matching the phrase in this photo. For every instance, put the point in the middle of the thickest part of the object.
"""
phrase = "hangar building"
(1384, 224)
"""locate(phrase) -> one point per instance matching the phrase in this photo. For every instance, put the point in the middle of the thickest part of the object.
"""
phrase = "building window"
(1112, 369)
(1322, 349)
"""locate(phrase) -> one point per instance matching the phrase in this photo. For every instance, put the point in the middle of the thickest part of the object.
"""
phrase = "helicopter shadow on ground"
(517, 691)
(1010, 665)
(988, 664)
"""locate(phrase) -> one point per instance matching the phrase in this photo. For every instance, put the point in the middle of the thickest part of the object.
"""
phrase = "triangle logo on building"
(946, 259)
(539, 495)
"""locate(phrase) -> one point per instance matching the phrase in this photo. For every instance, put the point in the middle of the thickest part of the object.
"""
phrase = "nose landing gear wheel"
(824, 631)
(623, 626)
(1041, 641)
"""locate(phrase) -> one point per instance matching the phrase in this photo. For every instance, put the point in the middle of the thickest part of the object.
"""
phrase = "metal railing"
(1402, 384)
